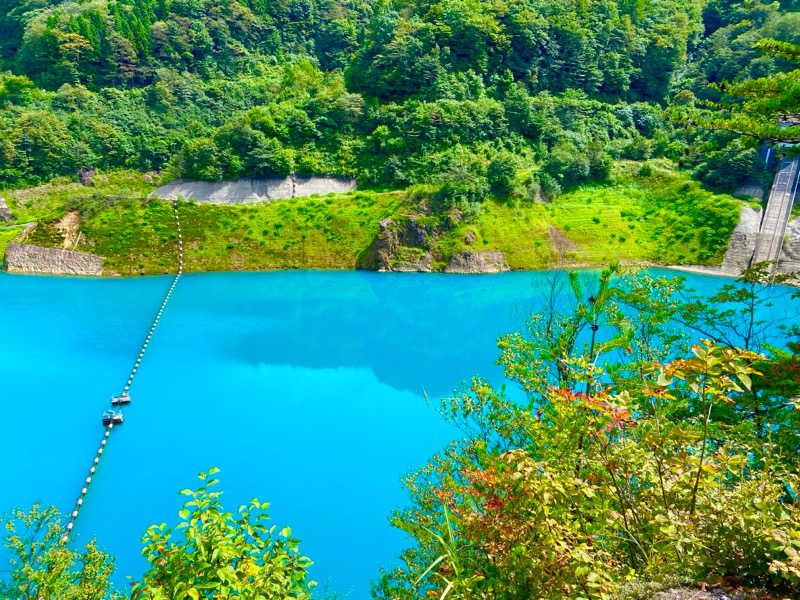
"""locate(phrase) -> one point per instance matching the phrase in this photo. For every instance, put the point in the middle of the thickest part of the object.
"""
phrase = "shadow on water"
(412, 331)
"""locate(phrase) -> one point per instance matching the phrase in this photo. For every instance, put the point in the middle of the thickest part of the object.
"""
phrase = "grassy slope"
(318, 232)
(48, 202)
(662, 217)
(659, 216)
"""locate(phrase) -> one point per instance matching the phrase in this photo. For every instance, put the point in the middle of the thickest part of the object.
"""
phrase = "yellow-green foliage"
(324, 232)
(7, 234)
(48, 201)
(649, 213)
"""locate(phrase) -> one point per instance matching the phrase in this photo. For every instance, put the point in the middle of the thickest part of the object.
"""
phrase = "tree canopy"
(393, 93)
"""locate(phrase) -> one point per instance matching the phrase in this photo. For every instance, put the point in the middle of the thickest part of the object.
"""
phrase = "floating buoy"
(137, 363)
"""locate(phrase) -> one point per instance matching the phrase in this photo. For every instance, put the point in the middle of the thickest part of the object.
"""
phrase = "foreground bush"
(209, 554)
(42, 568)
(216, 554)
(626, 464)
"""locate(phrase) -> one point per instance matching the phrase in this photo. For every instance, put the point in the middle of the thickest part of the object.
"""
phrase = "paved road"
(779, 208)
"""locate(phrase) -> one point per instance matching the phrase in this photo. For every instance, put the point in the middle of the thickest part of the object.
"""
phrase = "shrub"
(42, 566)
(615, 470)
(219, 552)
(550, 187)
(501, 172)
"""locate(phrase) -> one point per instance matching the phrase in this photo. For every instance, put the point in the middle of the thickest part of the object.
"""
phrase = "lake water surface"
(305, 388)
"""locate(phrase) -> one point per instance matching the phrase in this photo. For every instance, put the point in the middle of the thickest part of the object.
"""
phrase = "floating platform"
(120, 400)
(111, 416)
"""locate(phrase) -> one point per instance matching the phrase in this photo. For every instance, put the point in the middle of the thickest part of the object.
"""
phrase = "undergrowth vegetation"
(637, 457)
(660, 217)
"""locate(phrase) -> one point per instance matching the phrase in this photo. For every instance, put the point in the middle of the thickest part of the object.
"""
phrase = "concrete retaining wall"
(789, 261)
(27, 258)
(742, 242)
(248, 189)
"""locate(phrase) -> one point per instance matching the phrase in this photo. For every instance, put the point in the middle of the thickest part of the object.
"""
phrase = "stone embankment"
(789, 261)
(27, 258)
(249, 190)
(742, 245)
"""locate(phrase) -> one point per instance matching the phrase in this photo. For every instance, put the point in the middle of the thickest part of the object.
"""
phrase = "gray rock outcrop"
(742, 242)
(27, 258)
(250, 189)
(468, 261)
(404, 245)
(751, 189)
(86, 176)
(413, 261)
(5, 213)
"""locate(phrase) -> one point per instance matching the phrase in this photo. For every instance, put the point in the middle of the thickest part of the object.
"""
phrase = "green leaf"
(745, 379)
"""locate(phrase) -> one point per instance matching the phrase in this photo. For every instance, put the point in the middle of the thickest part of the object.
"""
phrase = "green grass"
(326, 232)
(664, 217)
(49, 201)
(7, 234)
(522, 233)
(661, 217)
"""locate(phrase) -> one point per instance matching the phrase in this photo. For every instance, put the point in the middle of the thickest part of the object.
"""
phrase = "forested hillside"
(512, 98)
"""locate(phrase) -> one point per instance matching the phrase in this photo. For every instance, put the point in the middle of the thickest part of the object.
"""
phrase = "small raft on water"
(110, 417)
(120, 400)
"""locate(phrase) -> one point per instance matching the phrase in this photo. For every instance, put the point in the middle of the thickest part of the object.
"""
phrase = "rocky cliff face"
(248, 189)
(468, 261)
(403, 245)
(27, 258)
(407, 245)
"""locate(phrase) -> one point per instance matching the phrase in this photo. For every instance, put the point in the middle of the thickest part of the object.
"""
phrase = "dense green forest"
(516, 99)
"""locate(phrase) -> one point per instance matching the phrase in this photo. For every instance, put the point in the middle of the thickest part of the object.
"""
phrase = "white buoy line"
(148, 337)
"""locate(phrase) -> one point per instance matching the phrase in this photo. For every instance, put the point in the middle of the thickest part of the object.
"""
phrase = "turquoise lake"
(305, 388)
